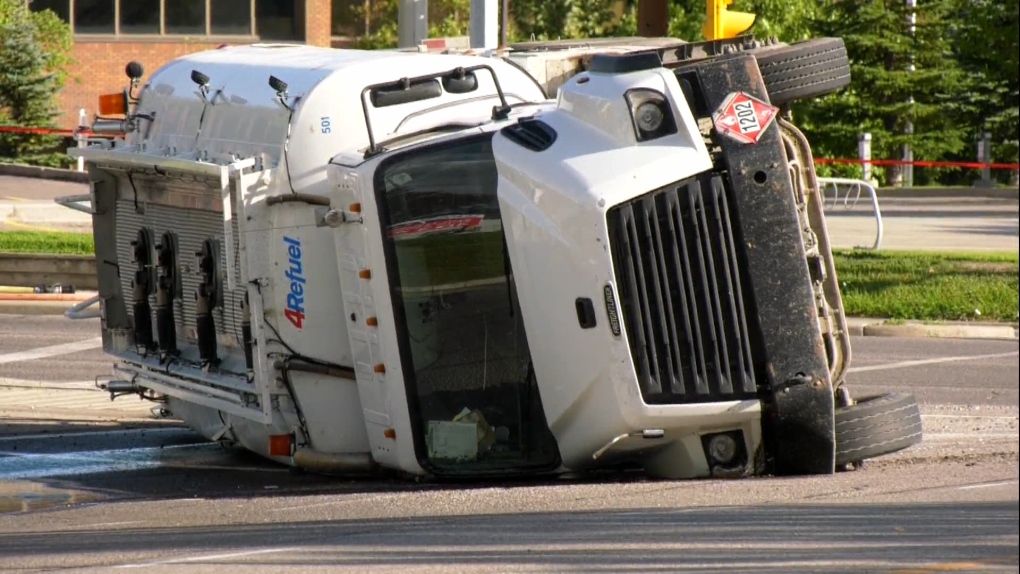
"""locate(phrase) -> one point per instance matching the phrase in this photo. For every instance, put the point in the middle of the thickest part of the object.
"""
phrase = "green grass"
(924, 286)
(46, 242)
(930, 286)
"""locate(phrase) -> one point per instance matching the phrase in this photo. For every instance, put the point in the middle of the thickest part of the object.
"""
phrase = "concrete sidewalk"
(929, 224)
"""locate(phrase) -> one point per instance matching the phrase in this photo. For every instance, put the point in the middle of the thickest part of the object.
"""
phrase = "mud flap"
(798, 425)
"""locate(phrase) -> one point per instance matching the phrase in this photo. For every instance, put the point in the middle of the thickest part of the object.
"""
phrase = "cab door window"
(467, 366)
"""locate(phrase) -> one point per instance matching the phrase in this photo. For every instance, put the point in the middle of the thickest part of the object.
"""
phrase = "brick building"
(110, 33)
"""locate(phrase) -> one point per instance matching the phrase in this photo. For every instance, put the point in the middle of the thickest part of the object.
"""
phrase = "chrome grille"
(679, 281)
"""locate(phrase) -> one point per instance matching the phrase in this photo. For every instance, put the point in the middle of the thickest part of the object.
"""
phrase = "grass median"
(929, 286)
(60, 243)
(926, 286)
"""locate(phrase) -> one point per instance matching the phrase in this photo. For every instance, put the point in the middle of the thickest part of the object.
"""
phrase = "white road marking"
(74, 385)
(52, 351)
(210, 557)
(905, 364)
(987, 485)
(983, 417)
(331, 502)
(959, 435)
(111, 524)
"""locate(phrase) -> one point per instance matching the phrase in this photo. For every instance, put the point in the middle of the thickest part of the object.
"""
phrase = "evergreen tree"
(988, 47)
(31, 74)
(890, 66)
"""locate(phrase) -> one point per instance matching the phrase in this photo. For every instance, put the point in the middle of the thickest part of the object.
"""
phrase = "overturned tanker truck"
(367, 261)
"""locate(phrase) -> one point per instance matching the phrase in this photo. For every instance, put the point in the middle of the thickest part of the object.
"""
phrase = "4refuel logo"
(295, 309)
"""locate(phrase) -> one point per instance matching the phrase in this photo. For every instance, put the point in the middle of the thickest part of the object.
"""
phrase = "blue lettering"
(295, 311)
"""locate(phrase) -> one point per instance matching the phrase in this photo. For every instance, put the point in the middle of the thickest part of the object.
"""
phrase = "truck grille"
(680, 292)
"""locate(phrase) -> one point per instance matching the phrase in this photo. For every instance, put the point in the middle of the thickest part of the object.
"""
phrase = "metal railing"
(848, 193)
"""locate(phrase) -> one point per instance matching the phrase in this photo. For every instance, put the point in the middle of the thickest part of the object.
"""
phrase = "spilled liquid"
(29, 466)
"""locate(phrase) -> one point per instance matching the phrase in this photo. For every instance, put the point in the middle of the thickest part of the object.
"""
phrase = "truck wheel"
(804, 70)
(875, 426)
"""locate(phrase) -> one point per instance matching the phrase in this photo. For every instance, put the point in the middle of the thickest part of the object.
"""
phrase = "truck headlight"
(725, 450)
(651, 113)
(722, 448)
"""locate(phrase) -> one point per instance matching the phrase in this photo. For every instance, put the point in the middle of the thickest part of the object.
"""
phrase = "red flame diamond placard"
(743, 117)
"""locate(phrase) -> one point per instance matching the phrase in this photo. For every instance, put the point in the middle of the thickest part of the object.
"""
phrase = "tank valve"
(207, 298)
(166, 291)
(142, 287)
(246, 340)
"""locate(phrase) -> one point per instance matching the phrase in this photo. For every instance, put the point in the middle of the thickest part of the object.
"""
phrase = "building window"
(139, 16)
(280, 19)
(185, 17)
(94, 16)
(230, 17)
(268, 19)
(62, 8)
(350, 17)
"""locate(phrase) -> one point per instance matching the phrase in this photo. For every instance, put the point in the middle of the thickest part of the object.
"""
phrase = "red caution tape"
(882, 162)
(46, 131)
(876, 162)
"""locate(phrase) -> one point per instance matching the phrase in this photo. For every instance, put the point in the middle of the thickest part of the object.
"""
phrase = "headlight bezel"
(637, 98)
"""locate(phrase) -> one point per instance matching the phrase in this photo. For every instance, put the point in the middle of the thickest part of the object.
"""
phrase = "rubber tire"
(804, 70)
(876, 426)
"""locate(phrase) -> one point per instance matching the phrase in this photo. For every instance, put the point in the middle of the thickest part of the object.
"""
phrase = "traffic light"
(721, 23)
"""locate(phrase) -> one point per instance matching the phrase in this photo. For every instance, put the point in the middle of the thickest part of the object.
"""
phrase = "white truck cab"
(348, 260)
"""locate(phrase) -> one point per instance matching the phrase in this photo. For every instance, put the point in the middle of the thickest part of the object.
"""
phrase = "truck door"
(474, 403)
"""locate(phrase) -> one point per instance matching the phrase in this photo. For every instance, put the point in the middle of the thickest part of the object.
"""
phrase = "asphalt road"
(945, 224)
(153, 497)
(34, 189)
(25, 333)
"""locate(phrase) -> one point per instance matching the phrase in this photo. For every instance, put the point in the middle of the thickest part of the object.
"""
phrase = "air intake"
(535, 135)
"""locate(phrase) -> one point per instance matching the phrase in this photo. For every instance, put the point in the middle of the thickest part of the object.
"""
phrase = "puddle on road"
(17, 470)
(28, 466)
(18, 496)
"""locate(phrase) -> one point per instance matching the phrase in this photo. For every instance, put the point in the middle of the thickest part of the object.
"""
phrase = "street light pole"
(412, 22)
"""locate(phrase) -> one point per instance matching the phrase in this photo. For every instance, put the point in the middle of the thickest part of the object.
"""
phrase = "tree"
(788, 20)
(890, 66)
(988, 48)
(34, 54)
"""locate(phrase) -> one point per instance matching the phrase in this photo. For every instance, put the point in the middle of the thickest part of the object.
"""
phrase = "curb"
(942, 331)
(50, 173)
(865, 327)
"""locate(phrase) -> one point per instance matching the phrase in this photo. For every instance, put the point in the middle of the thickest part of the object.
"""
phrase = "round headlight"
(722, 448)
(649, 116)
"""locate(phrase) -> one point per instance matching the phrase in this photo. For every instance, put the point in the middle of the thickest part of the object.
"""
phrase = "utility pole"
(412, 22)
(908, 151)
(484, 25)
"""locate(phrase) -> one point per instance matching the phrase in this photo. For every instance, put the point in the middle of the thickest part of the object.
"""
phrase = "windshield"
(467, 366)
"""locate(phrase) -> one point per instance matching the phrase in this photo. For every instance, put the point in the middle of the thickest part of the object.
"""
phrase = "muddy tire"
(876, 426)
(804, 70)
